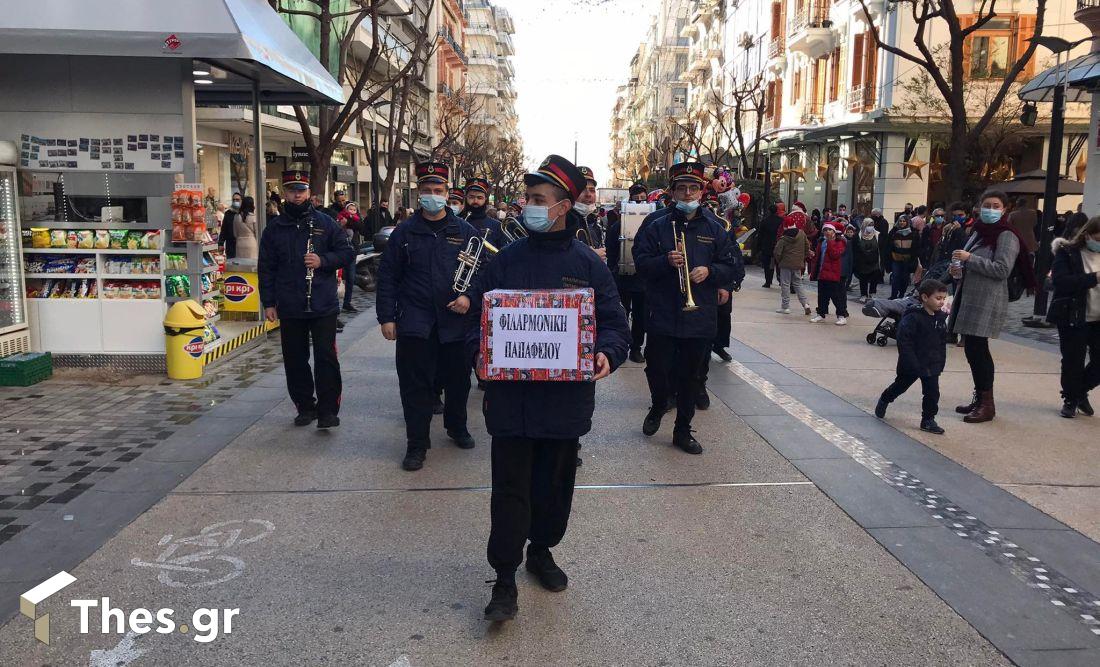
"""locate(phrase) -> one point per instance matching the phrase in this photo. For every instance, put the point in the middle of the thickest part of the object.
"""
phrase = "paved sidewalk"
(1028, 449)
(334, 554)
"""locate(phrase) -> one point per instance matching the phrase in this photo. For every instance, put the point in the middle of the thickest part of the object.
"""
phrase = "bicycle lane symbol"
(208, 558)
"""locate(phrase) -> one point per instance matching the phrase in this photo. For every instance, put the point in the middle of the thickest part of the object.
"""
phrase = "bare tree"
(950, 80)
(369, 78)
(504, 166)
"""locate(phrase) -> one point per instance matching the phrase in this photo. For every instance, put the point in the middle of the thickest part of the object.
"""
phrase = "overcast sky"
(570, 57)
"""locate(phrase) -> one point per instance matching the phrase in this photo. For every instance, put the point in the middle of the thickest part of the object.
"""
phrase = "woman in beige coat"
(244, 227)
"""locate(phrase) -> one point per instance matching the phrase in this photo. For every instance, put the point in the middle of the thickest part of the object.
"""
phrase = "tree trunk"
(958, 160)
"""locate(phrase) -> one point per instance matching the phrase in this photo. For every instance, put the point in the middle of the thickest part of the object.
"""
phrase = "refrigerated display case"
(14, 336)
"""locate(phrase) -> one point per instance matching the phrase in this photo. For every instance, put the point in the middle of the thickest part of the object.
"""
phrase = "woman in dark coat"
(1075, 308)
(867, 261)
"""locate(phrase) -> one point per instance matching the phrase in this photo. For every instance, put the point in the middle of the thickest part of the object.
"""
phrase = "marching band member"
(536, 426)
(300, 251)
(476, 211)
(631, 287)
(682, 309)
(418, 308)
(455, 200)
(585, 207)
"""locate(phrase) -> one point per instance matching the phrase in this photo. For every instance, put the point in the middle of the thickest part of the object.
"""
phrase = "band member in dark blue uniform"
(536, 426)
(298, 288)
(478, 213)
(418, 307)
(631, 287)
(594, 234)
(456, 200)
(680, 336)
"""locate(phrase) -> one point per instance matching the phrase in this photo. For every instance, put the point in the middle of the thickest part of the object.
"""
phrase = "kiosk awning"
(1081, 75)
(245, 37)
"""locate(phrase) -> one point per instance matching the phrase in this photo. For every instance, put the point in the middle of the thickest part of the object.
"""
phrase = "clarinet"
(309, 270)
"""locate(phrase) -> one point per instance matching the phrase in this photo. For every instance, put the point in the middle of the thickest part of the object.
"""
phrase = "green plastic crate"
(25, 369)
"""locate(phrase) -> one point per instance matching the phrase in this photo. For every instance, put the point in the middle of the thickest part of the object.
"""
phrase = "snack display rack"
(104, 290)
(14, 336)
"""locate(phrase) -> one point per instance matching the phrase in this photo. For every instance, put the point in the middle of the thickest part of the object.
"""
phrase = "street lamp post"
(1058, 46)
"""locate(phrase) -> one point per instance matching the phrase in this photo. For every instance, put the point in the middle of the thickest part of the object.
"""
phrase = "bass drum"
(382, 238)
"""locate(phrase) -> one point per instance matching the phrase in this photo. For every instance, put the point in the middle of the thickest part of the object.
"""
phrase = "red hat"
(693, 172)
(296, 179)
(558, 171)
(588, 175)
(456, 193)
(795, 218)
(477, 184)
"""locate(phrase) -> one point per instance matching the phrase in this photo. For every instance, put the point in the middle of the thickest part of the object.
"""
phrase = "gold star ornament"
(913, 167)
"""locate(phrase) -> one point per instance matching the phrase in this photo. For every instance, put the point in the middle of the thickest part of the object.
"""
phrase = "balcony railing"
(815, 16)
(1087, 4)
(450, 40)
(812, 114)
(777, 47)
(862, 97)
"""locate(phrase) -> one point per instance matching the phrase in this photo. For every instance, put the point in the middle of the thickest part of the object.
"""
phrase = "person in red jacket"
(830, 285)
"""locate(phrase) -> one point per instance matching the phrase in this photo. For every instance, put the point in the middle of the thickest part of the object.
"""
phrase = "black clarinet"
(309, 270)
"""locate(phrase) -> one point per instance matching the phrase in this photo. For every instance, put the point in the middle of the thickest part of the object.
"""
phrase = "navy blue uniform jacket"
(922, 342)
(708, 245)
(483, 222)
(416, 276)
(282, 271)
(549, 409)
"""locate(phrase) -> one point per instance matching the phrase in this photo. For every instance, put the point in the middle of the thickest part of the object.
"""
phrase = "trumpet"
(469, 261)
(593, 236)
(684, 271)
(513, 229)
(584, 237)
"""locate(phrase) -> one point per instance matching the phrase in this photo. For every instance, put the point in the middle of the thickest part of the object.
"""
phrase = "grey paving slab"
(746, 354)
(793, 439)
(745, 401)
(1058, 658)
(863, 496)
(749, 576)
(779, 375)
(1070, 552)
(997, 604)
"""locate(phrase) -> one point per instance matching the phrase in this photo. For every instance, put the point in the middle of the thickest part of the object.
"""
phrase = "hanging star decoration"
(935, 169)
(822, 169)
(913, 166)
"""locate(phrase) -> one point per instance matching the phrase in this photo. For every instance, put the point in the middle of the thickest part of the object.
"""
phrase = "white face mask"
(501, 215)
(584, 209)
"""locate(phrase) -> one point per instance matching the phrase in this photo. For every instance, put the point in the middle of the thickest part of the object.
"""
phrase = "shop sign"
(195, 347)
(299, 154)
(342, 173)
(270, 157)
(241, 291)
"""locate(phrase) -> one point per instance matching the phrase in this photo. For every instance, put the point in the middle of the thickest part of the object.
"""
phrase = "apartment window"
(796, 86)
(989, 56)
(992, 50)
(834, 75)
(681, 62)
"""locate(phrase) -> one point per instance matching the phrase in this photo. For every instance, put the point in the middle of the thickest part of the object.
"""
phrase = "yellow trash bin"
(183, 343)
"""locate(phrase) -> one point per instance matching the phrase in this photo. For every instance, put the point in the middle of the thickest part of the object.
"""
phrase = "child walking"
(790, 255)
(829, 274)
(922, 353)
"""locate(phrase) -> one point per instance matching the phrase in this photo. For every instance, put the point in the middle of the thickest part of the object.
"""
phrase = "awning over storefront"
(1082, 76)
(245, 37)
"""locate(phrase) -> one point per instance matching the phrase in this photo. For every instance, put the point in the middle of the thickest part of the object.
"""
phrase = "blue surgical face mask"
(455, 208)
(432, 203)
(537, 218)
(236, 204)
(687, 206)
(1092, 244)
(991, 215)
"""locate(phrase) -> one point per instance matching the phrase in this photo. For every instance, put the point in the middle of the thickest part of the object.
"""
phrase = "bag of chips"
(118, 238)
(102, 239)
(40, 237)
(57, 238)
(85, 239)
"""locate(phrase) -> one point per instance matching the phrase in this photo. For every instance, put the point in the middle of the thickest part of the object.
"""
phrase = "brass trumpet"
(586, 236)
(513, 229)
(684, 271)
(469, 261)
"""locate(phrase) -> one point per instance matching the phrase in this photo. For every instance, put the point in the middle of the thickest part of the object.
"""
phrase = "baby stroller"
(889, 311)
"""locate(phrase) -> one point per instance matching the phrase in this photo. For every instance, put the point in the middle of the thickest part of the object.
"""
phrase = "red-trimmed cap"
(477, 184)
(456, 193)
(693, 172)
(296, 179)
(588, 175)
(433, 172)
(558, 171)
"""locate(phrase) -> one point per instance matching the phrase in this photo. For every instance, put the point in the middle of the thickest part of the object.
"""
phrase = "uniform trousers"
(324, 377)
(634, 304)
(417, 360)
(532, 496)
(675, 365)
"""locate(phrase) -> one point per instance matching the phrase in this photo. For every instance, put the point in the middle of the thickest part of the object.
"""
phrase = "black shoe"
(437, 406)
(722, 354)
(766, 285)
(1069, 409)
(880, 408)
(339, 325)
(504, 603)
(1085, 408)
(702, 401)
(580, 462)
(305, 417)
(463, 439)
(929, 424)
(652, 422)
(636, 357)
(414, 458)
(328, 421)
(350, 309)
(540, 562)
(687, 442)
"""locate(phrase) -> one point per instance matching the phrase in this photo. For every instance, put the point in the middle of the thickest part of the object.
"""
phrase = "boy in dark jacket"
(922, 353)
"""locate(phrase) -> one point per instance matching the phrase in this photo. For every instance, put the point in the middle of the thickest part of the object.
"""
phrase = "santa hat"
(795, 218)
(799, 205)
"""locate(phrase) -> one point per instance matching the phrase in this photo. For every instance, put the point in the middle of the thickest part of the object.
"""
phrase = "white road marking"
(402, 661)
(121, 655)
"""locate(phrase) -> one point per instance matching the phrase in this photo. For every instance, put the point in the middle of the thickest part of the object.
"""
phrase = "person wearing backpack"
(983, 269)
(1075, 308)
